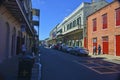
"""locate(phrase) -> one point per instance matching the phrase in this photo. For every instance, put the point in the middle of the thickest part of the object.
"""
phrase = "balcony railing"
(17, 9)
(23, 8)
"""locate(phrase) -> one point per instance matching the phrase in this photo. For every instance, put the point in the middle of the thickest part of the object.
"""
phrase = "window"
(94, 24)
(104, 17)
(60, 31)
(105, 39)
(79, 21)
(68, 27)
(118, 17)
(74, 23)
(64, 29)
(71, 25)
(94, 40)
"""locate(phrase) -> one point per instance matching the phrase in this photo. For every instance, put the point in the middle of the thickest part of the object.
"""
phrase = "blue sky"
(53, 12)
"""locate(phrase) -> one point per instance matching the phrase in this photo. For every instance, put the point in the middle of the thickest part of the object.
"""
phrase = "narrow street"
(57, 65)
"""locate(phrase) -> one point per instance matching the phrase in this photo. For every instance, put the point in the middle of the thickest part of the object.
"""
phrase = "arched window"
(7, 39)
(18, 43)
(13, 42)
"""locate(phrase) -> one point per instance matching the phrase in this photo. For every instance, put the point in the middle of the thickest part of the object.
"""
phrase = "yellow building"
(15, 27)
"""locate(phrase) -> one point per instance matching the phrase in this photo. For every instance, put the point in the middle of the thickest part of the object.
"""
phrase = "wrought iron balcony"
(17, 9)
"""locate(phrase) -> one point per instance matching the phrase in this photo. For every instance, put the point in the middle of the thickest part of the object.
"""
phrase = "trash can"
(25, 67)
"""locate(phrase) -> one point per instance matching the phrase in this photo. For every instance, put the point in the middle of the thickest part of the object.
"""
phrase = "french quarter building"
(15, 27)
(53, 36)
(104, 29)
(72, 30)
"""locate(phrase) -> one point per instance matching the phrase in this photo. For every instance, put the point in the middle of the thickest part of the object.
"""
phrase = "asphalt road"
(57, 65)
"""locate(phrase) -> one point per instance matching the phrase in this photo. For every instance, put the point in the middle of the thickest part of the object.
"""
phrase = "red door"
(105, 45)
(118, 45)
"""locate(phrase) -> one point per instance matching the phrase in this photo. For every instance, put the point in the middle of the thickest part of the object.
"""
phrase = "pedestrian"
(94, 50)
(33, 51)
(23, 49)
(99, 49)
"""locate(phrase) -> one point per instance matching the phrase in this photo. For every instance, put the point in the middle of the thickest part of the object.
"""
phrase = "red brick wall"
(111, 30)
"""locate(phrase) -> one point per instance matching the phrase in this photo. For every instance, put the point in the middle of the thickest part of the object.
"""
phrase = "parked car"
(74, 50)
(83, 52)
(52, 46)
(64, 47)
(57, 46)
(79, 51)
(68, 49)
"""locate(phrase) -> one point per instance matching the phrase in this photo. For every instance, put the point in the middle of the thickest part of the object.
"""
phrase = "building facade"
(53, 35)
(73, 27)
(104, 29)
(15, 27)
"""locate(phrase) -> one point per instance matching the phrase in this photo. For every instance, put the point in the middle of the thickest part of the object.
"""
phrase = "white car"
(79, 51)
(68, 49)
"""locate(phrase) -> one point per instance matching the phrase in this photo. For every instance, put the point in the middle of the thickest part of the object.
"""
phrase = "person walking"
(23, 49)
(99, 49)
(94, 50)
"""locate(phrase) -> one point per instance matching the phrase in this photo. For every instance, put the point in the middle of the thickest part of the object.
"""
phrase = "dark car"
(57, 46)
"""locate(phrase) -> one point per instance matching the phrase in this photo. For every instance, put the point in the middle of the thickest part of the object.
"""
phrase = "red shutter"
(118, 17)
(105, 45)
(104, 21)
(94, 25)
(118, 45)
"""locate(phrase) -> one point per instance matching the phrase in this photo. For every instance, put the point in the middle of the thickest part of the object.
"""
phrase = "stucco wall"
(7, 24)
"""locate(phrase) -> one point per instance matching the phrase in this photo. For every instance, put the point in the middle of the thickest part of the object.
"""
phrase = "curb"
(36, 72)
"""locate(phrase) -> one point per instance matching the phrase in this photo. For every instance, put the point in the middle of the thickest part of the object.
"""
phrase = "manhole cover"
(104, 70)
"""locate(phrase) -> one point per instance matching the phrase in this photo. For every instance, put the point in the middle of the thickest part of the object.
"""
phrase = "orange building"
(104, 29)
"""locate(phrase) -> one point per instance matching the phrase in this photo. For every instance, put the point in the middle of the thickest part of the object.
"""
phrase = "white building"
(74, 26)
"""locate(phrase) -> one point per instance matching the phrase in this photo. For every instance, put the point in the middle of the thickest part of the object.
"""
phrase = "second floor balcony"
(73, 29)
(17, 9)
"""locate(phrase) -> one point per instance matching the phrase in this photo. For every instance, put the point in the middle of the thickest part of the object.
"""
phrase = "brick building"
(104, 29)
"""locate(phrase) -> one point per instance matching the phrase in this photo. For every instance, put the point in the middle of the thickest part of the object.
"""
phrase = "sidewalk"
(110, 58)
(36, 70)
(9, 69)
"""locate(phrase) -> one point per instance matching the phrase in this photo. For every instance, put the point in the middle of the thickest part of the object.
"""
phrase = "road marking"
(101, 69)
